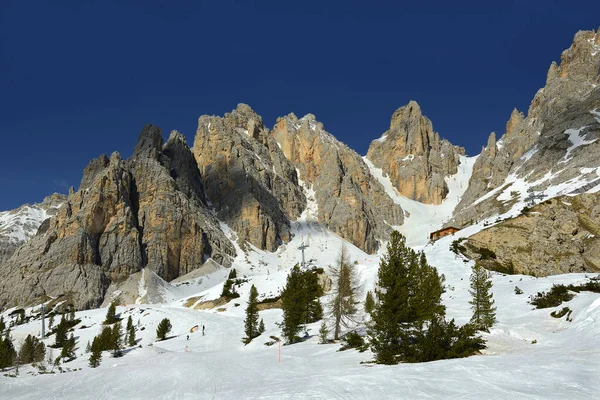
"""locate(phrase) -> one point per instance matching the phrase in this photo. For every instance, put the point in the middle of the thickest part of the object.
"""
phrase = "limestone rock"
(128, 215)
(350, 201)
(248, 180)
(414, 156)
(559, 236)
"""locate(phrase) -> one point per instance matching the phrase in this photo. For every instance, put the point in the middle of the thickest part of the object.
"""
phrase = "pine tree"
(68, 350)
(61, 332)
(50, 321)
(482, 304)
(164, 327)
(111, 314)
(8, 354)
(323, 332)
(115, 341)
(88, 347)
(2, 324)
(96, 355)
(346, 287)
(300, 302)
(32, 350)
(251, 328)
(261, 327)
(72, 314)
(130, 332)
(408, 295)
(369, 302)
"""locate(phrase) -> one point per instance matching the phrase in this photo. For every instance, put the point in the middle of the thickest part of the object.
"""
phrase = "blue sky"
(80, 78)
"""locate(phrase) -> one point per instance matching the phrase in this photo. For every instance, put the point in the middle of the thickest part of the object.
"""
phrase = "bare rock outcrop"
(126, 216)
(414, 156)
(248, 180)
(561, 235)
(351, 202)
(555, 143)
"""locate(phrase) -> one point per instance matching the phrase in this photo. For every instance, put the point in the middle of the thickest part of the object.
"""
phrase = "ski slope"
(530, 354)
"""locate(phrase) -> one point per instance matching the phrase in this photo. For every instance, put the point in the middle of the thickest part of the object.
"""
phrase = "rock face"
(414, 156)
(248, 180)
(145, 212)
(19, 225)
(351, 202)
(556, 142)
(561, 235)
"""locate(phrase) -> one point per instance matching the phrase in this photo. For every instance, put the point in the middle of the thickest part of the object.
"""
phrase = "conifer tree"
(323, 332)
(32, 350)
(96, 355)
(111, 314)
(2, 324)
(88, 347)
(116, 345)
(408, 295)
(61, 332)
(261, 327)
(482, 303)
(130, 332)
(251, 328)
(8, 354)
(50, 321)
(72, 313)
(164, 327)
(68, 350)
(369, 302)
(346, 287)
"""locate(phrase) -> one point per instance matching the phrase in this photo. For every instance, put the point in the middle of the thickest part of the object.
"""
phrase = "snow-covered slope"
(529, 355)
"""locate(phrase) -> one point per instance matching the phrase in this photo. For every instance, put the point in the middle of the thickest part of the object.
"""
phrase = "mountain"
(350, 201)
(143, 213)
(414, 156)
(553, 149)
(19, 225)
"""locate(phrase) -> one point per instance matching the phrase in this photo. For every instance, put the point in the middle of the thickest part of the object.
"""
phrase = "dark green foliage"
(261, 327)
(2, 324)
(593, 285)
(61, 332)
(111, 314)
(518, 290)
(72, 313)
(487, 254)
(444, 340)
(353, 340)
(96, 353)
(164, 327)
(68, 350)
(229, 289)
(251, 327)
(345, 288)
(130, 332)
(232, 274)
(116, 345)
(457, 248)
(300, 302)
(554, 298)
(562, 313)
(323, 332)
(408, 295)
(369, 302)
(32, 350)
(482, 302)
(8, 354)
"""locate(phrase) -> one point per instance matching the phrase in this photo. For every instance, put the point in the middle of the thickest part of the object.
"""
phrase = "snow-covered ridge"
(22, 223)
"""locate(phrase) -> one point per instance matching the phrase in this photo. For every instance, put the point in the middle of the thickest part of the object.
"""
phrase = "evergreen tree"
(130, 336)
(369, 302)
(115, 340)
(32, 350)
(88, 347)
(8, 354)
(251, 328)
(68, 350)
(105, 339)
(61, 332)
(300, 302)
(2, 324)
(408, 295)
(50, 321)
(72, 313)
(346, 287)
(111, 316)
(96, 355)
(482, 304)
(261, 327)
(164, 327)
(232, 274)
(323, 332)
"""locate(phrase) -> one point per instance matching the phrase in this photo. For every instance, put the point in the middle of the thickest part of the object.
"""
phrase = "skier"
(202, 330)
(188, 337)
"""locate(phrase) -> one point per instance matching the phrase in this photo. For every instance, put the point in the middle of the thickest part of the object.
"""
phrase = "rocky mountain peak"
(516, 117)
(149, 143)
(414, 156)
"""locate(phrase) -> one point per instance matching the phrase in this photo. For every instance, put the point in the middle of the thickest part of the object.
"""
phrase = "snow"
(562, 364)
(577, 140)
(21, 224)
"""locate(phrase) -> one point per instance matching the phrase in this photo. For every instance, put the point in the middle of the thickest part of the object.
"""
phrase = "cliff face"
(556, 142)
(248, 180)
(414, 156)
(351, 202)
(559, 236)
(145, 212)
